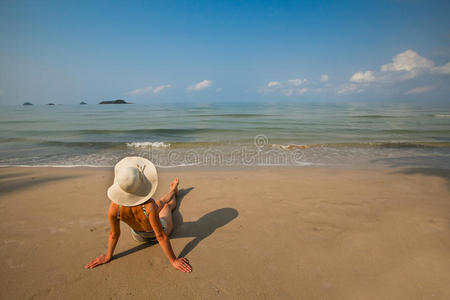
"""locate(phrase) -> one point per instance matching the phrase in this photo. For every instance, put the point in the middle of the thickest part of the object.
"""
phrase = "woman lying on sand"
(135, 182)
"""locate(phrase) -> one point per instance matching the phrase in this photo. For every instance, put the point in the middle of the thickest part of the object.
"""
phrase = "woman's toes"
(174, 183)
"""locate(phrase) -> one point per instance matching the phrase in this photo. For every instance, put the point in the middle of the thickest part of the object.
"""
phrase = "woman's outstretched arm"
(182, 263)
(114, 235)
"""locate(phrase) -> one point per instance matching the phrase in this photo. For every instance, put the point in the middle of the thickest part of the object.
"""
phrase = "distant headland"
(27, 103)
(83, 103)
(118, 101)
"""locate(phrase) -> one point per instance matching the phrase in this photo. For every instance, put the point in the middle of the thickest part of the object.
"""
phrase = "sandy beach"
(261, 233)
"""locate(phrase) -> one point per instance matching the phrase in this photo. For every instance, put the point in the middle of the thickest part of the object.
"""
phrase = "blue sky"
(146, 51)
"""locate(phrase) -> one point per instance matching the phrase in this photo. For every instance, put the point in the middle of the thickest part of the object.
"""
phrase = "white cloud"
(140, 91)
(412, 64)
(407, 61)
(404, 66)
(272, 84)
(302, 91)
(148, 89)
(348, 88)
(361, 77)
(445, 69)
(200, 85)
(160, 88)
(420, 90)
(296, 82)
(289, 87)
(292, 91)
(324, 78)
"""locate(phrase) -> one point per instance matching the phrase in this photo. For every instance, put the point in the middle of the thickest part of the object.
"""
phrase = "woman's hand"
(102, 259)
(182, 264)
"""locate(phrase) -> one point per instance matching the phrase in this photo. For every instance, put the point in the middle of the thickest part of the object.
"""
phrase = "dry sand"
(302, 233)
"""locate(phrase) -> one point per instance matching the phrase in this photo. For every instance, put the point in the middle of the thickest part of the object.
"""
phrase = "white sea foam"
(179, 165)
(87, 166)
(148, 145)
(295, 147)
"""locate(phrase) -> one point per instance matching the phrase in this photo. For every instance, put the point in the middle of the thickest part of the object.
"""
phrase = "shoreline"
(237, 157)
(221, 168)
(356, 166)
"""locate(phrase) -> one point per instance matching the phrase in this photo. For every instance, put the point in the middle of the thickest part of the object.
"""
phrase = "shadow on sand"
(199, 230)
(204, 227)
(436, 165)
(17, 181)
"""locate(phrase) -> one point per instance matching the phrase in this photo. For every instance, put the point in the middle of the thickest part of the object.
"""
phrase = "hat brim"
(117, 195)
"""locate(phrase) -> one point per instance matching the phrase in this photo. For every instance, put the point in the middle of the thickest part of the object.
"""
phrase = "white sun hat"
(135, 181)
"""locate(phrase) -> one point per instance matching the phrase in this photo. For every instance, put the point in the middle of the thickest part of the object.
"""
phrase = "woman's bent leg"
(166, 215)
(166, 211)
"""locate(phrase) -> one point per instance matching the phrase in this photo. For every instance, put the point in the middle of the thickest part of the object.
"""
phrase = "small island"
(50, 103)
(27, 104)
(83, 103)
(118, 101)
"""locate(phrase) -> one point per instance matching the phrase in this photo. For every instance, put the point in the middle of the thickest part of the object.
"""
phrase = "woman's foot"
(174, 186)
(172, 203)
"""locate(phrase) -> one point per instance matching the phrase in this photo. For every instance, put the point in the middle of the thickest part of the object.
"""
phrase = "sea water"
(227, 134)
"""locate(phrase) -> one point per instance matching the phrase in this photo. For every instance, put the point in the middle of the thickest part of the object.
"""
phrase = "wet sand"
(261, 233)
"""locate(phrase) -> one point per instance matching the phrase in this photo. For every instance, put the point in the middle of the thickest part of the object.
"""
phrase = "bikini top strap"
(118, 213)
(145, 212)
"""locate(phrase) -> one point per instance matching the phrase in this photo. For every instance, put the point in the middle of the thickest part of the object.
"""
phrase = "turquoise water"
(226, 134)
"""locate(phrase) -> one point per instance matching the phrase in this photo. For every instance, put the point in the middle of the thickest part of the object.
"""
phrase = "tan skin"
(135, 218)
